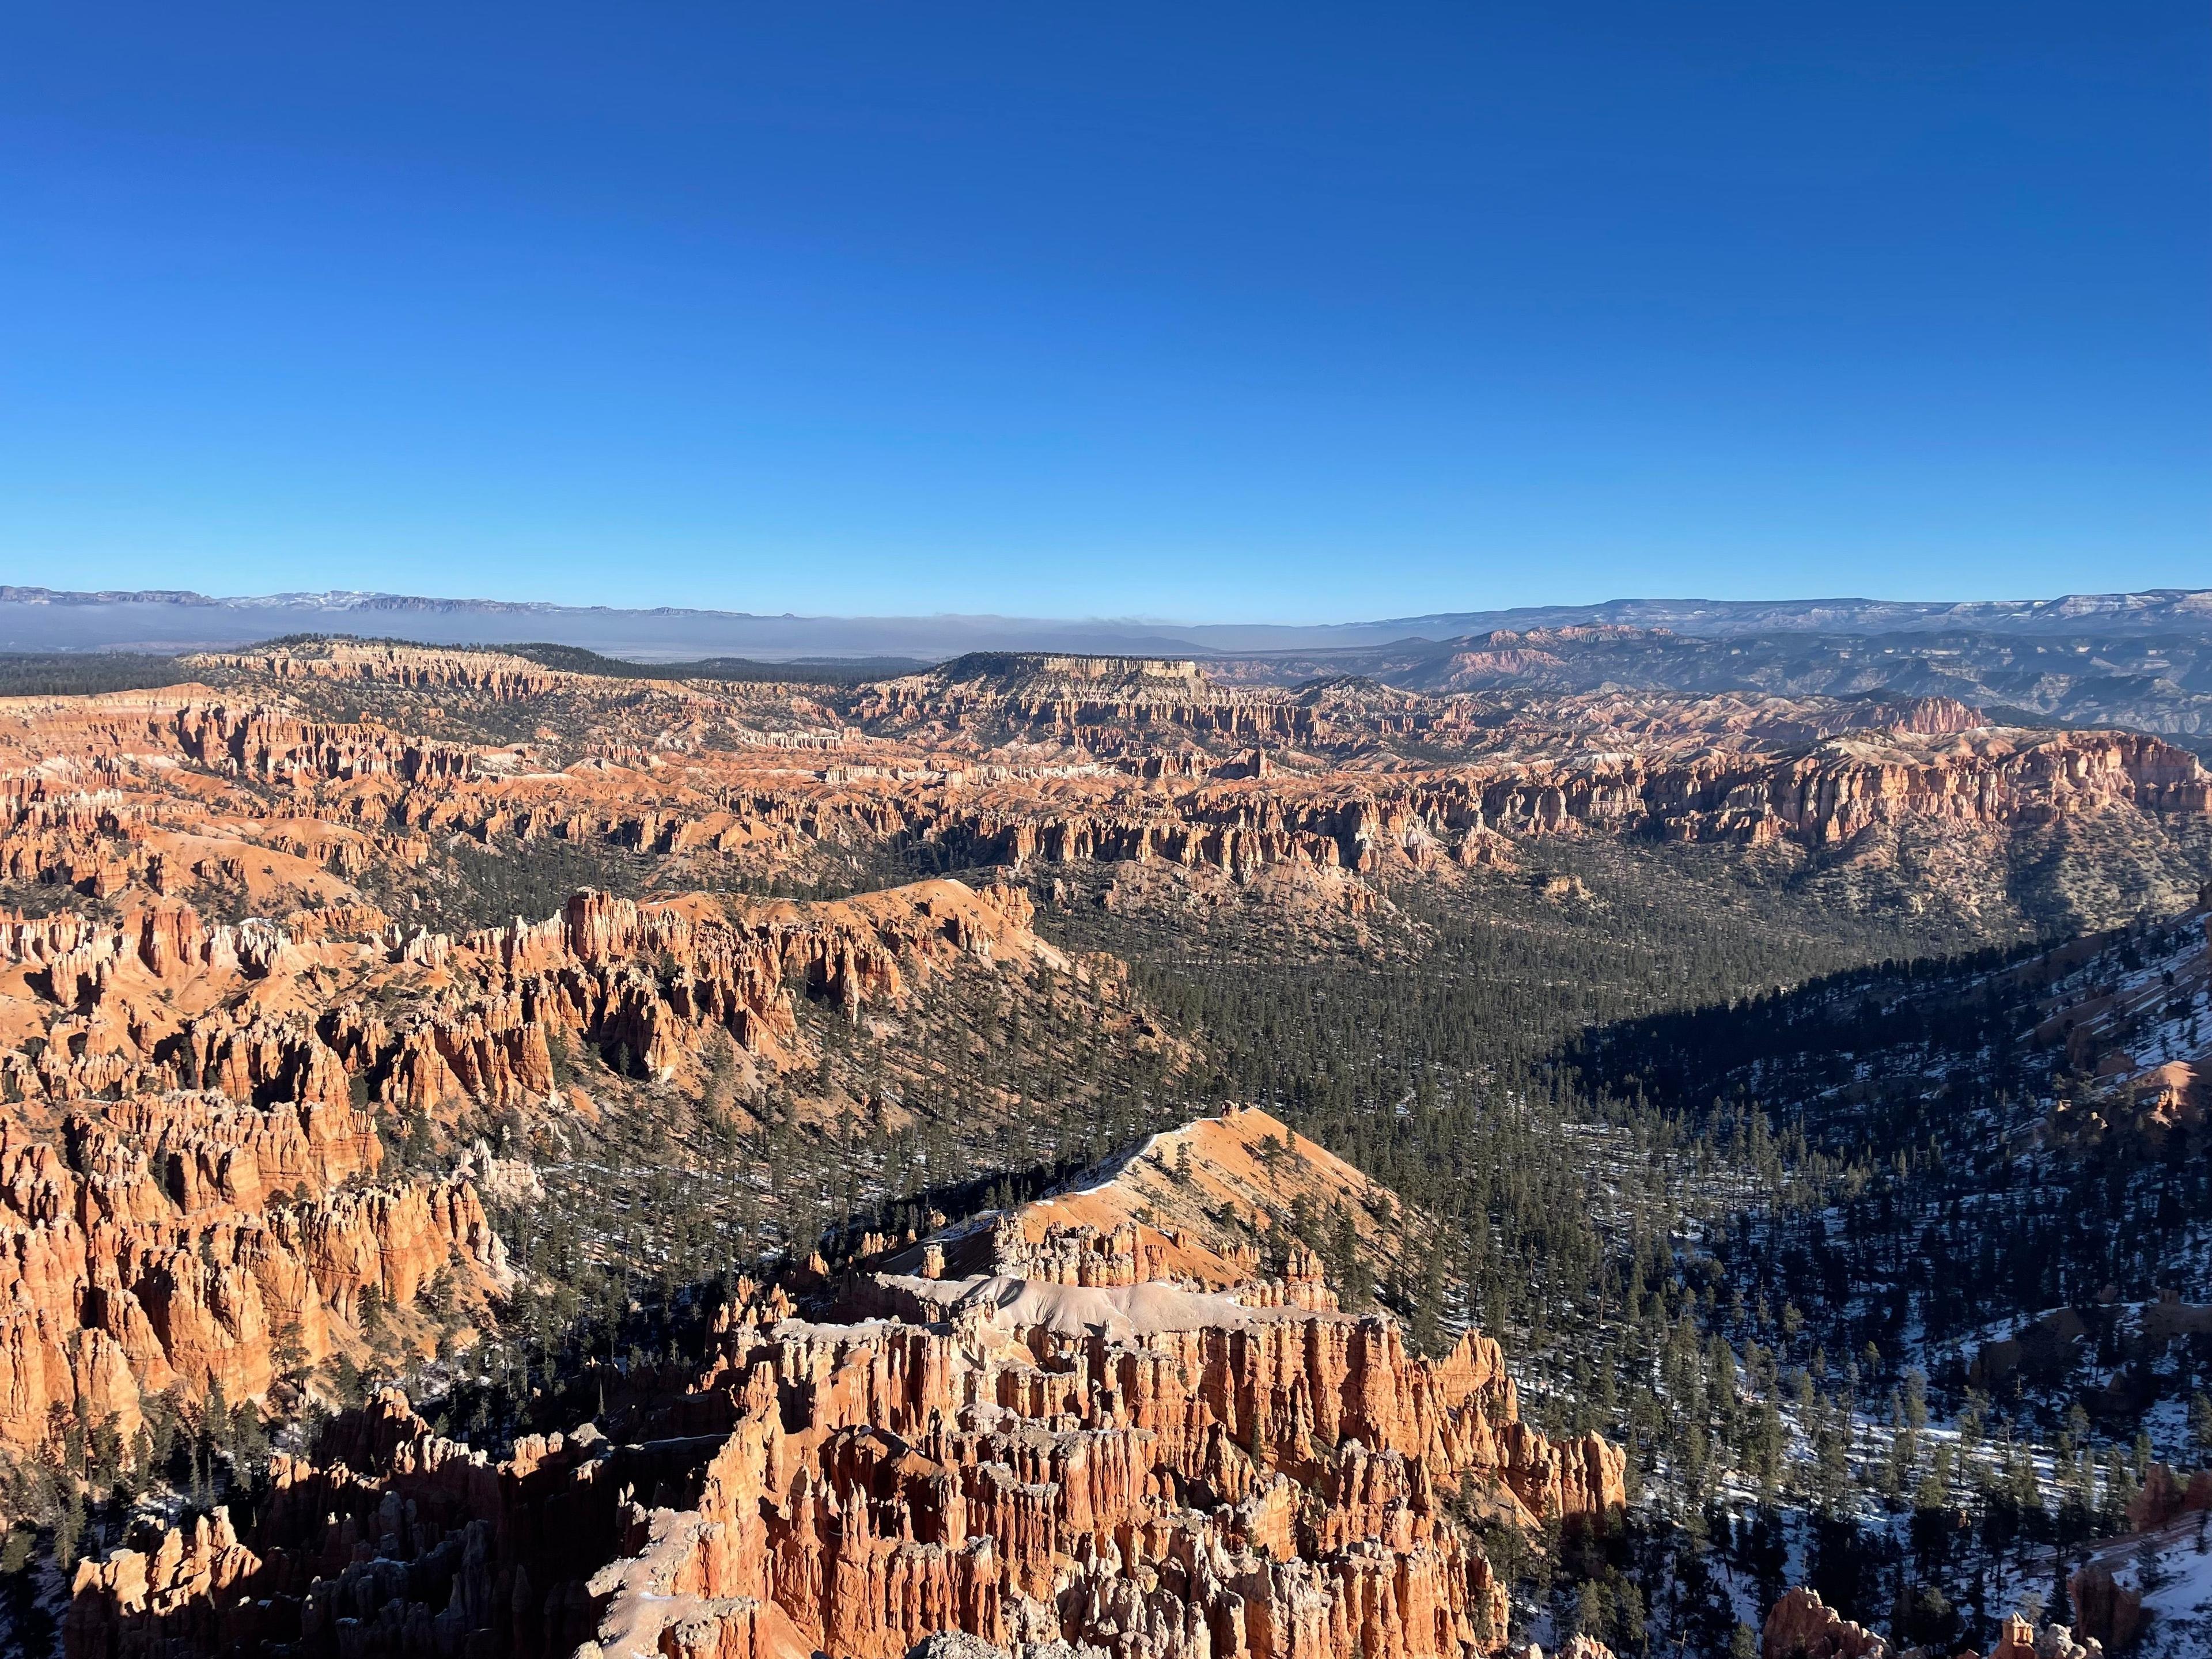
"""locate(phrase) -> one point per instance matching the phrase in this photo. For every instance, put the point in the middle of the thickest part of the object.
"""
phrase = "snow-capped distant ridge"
(343, 599)
(34, 618)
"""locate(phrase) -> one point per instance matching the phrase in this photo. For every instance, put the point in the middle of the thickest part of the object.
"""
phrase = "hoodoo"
(1139, 1458)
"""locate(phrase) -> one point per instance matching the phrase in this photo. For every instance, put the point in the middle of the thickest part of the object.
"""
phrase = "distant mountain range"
(49, 619)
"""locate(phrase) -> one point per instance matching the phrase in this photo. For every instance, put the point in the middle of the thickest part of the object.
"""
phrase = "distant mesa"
(1019, 668)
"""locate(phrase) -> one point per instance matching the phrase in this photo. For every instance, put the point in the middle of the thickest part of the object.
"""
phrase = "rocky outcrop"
(2165, 1496)
(649, 982)
(180, 1587)
(489, 673)
(420, 1020)
(2019, 1639)
(386, 1539)
(190, 1240)
(1140, 1467)
(1202, 1207)
(2105, 1612)
(996, 759)
(1135, 1415)
(1821, 799)
(1800, 1626)
(225, 1211)
(1102, 702)
(1139, 1470)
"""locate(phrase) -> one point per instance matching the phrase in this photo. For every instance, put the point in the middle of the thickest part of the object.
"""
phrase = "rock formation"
(275, 787)
(190, 1185)
(159, 1001)
(2105, 1612)
(1145, 1468)
(186, 1239)
(1801, 1626)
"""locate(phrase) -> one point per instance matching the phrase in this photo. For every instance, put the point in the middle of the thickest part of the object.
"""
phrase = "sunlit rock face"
(1138, 1460)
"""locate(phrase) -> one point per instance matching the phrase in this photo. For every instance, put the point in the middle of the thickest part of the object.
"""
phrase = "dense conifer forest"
(80, 673)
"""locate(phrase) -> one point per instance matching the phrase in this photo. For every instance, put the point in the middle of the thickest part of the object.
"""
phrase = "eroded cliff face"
(1154, 1466)
(1196, 1478)
(278, 786)
(192, 1189)
(198, 1194)
(187, 1240)
(1143, 1469)
(415, 1019)
(491, 673)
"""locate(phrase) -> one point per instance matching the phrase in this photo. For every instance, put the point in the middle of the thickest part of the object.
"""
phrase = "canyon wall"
(186, 1240)
(1153, 1471)
(1125, 1438)
(168, 792)
(192, 1190)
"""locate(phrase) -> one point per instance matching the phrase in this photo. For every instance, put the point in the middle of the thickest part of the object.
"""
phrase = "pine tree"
(68, 1529)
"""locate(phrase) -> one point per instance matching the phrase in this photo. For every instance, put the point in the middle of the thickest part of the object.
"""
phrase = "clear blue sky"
(1271, 310)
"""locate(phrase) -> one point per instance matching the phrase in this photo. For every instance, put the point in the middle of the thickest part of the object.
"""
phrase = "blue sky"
(1269, 311)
